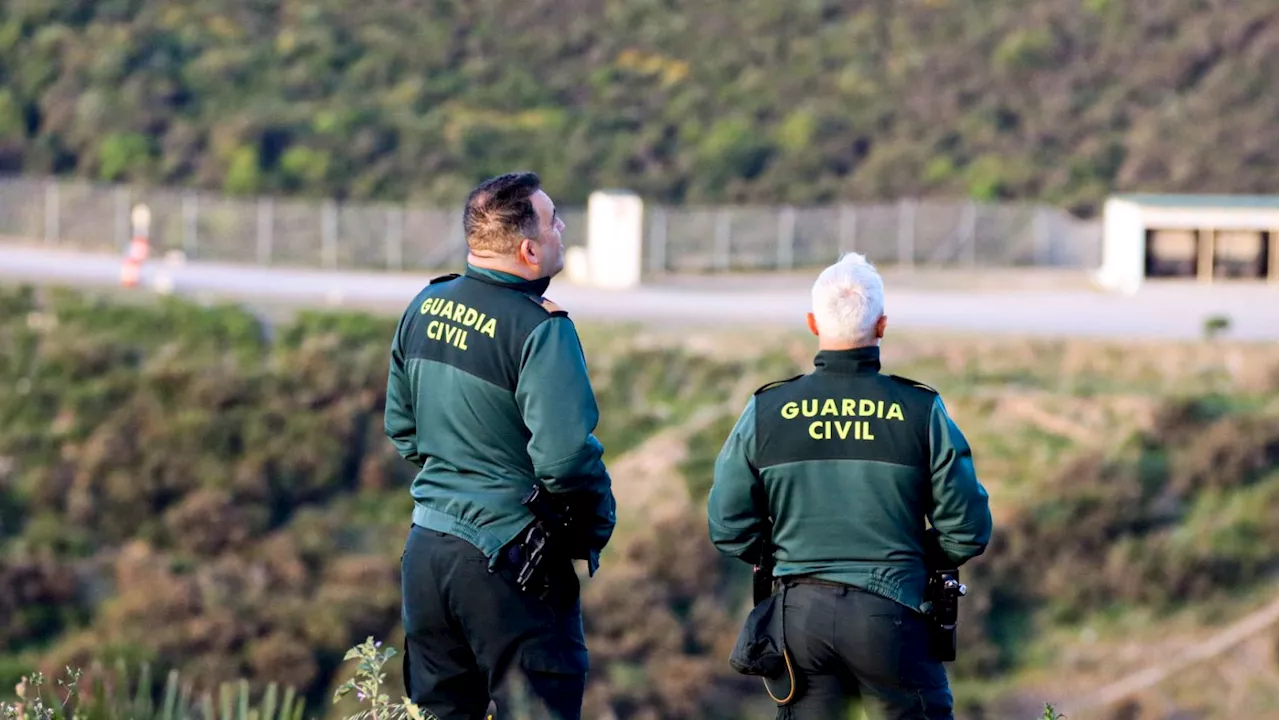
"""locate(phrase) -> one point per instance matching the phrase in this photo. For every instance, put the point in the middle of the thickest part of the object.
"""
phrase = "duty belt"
(793, 580)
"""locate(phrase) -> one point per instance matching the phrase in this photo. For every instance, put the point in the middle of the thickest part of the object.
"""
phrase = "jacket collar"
(496, 277)
(858, 361)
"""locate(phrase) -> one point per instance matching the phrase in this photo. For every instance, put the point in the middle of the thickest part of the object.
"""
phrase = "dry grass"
(1238, 684)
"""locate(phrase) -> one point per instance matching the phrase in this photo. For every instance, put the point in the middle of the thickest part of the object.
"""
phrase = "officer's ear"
(880, 325)
(813, 323)
(527, 252)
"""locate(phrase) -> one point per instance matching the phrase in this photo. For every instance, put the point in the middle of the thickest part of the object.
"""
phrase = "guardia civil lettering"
(842, 407)
(838, 408)
(467, 319)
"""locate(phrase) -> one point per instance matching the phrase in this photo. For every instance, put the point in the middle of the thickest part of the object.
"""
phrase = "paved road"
(1159, 310)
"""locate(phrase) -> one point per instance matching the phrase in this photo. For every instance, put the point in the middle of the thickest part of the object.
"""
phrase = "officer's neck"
(827, 345)
(502, 263)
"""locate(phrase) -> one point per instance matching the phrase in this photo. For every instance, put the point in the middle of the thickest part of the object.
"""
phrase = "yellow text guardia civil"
(842, 407)
(467, 318)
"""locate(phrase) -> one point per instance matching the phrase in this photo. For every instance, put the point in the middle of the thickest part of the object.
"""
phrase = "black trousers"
(846, 643)
(472, 636)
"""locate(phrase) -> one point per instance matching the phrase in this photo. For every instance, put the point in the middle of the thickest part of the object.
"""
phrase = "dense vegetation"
(752, 100)
(181, 487)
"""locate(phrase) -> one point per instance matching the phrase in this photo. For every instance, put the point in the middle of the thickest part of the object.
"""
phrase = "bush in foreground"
(114, 698)
(102, 694)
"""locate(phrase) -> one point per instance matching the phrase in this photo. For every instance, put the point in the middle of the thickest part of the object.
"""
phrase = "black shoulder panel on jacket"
(477, 327)
(443, 278)
(776, 383)
(913, 383)
(829, 416)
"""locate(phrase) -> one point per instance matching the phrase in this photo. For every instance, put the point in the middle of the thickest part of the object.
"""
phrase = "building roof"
(1202, 201)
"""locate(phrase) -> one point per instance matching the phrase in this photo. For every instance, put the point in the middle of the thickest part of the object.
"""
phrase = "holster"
(943, 610)
(943, 591)
(542, 554)
(762, 580)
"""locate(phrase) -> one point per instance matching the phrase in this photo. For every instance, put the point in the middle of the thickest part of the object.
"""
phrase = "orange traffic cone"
(131, 269)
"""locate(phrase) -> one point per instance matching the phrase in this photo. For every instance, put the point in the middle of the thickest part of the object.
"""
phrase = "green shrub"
(191, 493)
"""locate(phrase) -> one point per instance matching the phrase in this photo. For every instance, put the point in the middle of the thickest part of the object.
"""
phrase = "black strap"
(793, 580)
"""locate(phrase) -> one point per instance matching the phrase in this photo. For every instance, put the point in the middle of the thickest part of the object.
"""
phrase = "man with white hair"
(828, 479)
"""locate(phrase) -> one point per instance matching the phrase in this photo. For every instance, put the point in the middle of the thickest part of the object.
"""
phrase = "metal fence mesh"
(372, 236)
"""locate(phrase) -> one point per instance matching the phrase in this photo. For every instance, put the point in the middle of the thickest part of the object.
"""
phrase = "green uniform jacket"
(487, 393)
(847, 463)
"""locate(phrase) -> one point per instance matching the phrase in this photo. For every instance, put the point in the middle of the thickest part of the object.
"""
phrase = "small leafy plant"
(1216, 325)
(368, 685)
(32, 705)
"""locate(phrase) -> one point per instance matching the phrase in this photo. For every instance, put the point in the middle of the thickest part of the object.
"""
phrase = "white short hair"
(848, 300)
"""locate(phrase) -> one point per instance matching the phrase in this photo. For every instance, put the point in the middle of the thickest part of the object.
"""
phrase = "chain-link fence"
(907, 233)
(332, 235)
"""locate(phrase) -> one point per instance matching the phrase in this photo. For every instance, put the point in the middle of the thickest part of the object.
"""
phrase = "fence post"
(266, 230)
(658, 240)
(1040, 236)
(848, 229)
(906, 233)
(786, 237)
(394, 246)
(970, 230)
(723, 239)
(329, 234)
(51, 229)
(121, 195)
(190, 224)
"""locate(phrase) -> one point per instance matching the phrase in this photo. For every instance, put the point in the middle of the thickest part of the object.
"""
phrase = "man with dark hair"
(500, 214)
(488, 395)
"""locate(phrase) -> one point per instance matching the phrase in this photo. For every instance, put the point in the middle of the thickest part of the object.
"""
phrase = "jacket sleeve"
(399, 422)
(961, 514)
(737, 515)
(558, 405)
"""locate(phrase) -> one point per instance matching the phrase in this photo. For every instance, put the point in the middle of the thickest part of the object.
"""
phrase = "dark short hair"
(499, 213)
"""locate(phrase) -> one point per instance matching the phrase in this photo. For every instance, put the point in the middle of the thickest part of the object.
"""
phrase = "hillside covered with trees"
(184, 486)
(749, 100)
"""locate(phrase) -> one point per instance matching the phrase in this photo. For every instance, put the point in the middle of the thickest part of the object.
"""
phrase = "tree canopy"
(807, 101)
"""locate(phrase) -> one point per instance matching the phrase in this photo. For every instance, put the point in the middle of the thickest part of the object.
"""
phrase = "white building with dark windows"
(1209, 238)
